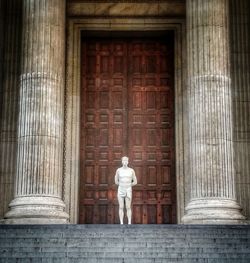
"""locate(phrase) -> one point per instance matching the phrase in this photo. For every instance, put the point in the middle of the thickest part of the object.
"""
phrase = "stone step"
(129, 243)
(143, 260)
(118, 249)
(116, 260)
(110, 243)
(125, 244)
(97, 234)
(125, 254)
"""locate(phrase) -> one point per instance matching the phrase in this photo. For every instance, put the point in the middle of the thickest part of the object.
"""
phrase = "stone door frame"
(71, 164)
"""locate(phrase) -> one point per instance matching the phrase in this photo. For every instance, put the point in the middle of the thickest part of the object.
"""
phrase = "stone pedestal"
(38, 186)
(213, 198)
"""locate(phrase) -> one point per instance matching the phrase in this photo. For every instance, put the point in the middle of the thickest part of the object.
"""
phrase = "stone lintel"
(135, 8)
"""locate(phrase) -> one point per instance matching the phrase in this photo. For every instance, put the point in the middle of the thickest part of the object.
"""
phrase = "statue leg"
(121, 208)
(128, 208)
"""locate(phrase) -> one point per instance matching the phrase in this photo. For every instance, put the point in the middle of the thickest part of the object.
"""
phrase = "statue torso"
(125, 177)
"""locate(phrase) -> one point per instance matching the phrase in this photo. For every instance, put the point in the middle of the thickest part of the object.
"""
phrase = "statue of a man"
(125, 178)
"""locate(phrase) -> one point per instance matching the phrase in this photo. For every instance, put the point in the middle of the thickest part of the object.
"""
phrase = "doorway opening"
(127, 108)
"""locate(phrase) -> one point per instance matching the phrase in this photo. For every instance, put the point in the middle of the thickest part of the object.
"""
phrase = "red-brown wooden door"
(127, 108)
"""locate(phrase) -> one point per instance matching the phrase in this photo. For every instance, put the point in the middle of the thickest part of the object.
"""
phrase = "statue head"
(125, 161)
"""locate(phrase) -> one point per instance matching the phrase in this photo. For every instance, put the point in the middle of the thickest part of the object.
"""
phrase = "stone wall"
(9, 94)
(240, 73)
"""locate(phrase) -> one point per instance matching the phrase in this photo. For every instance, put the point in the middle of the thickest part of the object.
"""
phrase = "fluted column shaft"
(213, 198)
(38, 184)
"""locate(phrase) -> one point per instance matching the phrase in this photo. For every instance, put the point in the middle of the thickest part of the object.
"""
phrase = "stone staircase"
(124, 244)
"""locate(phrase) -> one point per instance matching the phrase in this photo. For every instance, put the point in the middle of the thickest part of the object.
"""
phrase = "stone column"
(38, 185)
(213, 197)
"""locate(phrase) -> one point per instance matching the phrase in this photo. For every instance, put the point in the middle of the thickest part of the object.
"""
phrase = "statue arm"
(134, 179)
(116, 178)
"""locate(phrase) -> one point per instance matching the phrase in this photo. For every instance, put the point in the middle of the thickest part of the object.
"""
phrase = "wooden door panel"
(103, 127)
(151, 138)
(127, 109)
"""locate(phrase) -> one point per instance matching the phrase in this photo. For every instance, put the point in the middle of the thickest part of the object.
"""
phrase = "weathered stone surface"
(119, 244)
(38, 183)
(9, 95)
(166, 8)
(240, 65)
(213, 196)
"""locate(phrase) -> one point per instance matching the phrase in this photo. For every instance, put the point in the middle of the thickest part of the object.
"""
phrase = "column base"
(213, 211)
(36, 210)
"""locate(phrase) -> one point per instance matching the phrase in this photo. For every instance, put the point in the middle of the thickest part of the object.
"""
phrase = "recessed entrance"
(127, 108)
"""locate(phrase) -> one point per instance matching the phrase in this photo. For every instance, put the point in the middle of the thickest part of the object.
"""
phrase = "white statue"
(125, 178)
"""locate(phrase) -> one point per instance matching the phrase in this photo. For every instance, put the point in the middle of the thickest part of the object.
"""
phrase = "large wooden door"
(127, 108)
